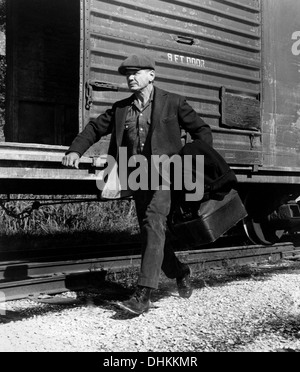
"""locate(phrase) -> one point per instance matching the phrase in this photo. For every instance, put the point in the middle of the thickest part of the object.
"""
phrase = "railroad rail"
(59, 272)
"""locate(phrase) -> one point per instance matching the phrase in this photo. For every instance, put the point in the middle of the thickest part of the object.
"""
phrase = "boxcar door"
(282, 84)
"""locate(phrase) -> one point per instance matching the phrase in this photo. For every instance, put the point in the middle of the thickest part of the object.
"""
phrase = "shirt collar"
(135, 101)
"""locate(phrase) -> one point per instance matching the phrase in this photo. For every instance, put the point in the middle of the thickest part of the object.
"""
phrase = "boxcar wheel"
(260, 232)
(257, 225)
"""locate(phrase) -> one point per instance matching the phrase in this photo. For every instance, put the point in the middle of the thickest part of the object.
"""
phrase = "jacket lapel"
(121, 113)
(160, 97)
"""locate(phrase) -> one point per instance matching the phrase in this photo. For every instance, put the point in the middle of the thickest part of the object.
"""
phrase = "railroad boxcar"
(237, 62)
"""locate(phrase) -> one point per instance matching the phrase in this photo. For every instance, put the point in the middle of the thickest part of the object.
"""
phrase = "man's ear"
(152, 76)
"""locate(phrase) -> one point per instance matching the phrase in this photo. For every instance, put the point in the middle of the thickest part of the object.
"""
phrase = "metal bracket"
(252, 139)
(91, 85)
(185, 40)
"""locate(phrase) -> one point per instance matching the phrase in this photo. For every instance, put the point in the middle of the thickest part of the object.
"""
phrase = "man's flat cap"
(137, 61)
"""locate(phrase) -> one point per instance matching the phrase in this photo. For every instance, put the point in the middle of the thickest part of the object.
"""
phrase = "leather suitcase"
(215, 218)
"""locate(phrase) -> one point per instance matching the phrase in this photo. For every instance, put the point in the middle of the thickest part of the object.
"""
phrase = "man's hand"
(71, 160)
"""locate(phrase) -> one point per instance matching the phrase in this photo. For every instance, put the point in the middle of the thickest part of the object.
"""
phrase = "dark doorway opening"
(2, 66)
(43, 62)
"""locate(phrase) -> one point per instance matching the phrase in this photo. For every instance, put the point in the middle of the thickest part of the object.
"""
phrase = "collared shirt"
(137, 126)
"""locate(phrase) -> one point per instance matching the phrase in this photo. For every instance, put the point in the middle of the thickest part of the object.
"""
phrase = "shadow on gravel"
(287, 327)
(102, 295)
(40, 309)
(101, 291)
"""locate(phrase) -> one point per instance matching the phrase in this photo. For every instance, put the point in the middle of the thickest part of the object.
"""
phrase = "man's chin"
(134, 87)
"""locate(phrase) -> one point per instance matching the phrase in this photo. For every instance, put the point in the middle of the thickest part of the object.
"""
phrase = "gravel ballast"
(256, 309)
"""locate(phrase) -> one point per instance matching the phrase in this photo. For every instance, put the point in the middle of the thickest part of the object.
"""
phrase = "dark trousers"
(152, 209)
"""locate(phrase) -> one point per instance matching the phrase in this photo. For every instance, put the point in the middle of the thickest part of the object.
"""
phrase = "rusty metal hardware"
(91, 85)
(88, 96)
(252, 139)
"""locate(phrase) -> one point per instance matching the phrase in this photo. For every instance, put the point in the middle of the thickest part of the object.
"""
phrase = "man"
(147, 123)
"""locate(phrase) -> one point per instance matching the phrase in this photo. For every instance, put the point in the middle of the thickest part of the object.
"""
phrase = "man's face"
(138, 80)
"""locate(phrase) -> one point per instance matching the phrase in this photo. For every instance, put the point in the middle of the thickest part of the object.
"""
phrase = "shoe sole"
(129, 310)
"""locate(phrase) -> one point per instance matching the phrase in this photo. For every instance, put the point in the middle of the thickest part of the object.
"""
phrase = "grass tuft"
(94, 217)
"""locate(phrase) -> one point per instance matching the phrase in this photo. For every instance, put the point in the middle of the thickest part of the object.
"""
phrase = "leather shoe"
(138, 303)
(184, 285)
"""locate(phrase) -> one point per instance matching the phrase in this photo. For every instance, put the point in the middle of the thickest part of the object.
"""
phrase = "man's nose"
(130, 77)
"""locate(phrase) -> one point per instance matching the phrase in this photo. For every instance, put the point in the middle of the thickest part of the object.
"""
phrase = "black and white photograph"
(150, 179)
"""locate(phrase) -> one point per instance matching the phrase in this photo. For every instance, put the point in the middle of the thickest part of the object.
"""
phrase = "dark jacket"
(170, 113)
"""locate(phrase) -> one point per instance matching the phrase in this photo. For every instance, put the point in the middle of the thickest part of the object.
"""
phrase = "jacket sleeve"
(193, 124)
(94, 130)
